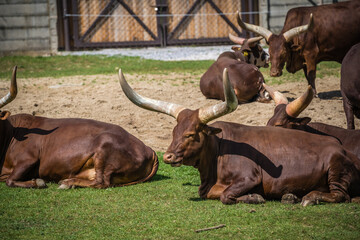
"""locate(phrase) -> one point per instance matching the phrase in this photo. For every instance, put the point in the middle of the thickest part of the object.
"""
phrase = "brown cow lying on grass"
(286, 116)
(76, 152)
(239, 163)
(245, 76)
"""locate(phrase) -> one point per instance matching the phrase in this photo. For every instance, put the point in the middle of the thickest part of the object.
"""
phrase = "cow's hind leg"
(21, 171)
(315, 197)
(86, 178)
(339, 179)
(235, 192)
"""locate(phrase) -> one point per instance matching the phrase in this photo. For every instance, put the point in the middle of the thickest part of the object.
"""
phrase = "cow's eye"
(189, 135)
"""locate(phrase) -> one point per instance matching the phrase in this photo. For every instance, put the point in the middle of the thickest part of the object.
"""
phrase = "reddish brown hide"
(77, 152)
(244, 74)
(286, 116)
(239, 163)
(350, 85)
(335, 29)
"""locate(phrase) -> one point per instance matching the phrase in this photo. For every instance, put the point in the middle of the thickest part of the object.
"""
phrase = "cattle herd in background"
(289, 158)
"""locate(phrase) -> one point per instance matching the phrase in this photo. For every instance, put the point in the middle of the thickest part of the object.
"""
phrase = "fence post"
(162, 21)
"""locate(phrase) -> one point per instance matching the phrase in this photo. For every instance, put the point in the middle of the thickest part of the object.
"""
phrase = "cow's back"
(335, 28)
(278, 155)
(245, 78)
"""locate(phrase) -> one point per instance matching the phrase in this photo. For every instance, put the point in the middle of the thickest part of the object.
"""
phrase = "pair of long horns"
(206, 114)
(13, 90)
(294, 108)
(288, 35)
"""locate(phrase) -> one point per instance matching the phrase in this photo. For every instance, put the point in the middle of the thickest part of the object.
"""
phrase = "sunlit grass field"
(168, 207)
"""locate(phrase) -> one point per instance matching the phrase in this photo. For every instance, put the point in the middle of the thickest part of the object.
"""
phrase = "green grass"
(59, 66)
(324, 69)
(168, 207)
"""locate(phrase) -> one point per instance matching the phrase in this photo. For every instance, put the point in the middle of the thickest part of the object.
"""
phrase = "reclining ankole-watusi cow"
(243, 67)
(239, 163)
(286, 116)
(350, 85)
(74, 151)
(311, 35)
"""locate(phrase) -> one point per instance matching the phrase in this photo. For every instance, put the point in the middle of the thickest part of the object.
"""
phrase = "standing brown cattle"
(350, 85)
(77, 152)
(286, 116)
(235, 160)
(326, 33)
(244, 74)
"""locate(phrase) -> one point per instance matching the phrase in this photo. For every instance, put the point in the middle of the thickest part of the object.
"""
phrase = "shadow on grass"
(159, 177)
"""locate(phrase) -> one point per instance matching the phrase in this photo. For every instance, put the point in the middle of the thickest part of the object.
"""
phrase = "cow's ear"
(302, 121)
(211, 130)
(4, 115)
(235, 48)
(295, 48)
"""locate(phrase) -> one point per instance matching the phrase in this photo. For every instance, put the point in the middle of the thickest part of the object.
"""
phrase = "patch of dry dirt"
(100, 97)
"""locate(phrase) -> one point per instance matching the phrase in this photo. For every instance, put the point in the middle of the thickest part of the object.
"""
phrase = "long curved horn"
(206, 114)
(13, 90)
(147, 103)
(290, 34)
(253, 28)
(294, 108)
(278, 97)
(237, 40)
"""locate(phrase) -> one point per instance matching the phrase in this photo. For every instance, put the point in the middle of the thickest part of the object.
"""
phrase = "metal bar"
(224, 40)
(244, 17)
(217, 9)
(251, 16)
(186, 19)
(75, 24)
(162, 21)
(312, 2)
(137, 19)
(66, 26)
(99, 21)
(118, 44)
(268, 14)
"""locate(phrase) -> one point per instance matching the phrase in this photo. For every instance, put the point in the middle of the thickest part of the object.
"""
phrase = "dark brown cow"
(286, 116)
(350, 85)
(245, 77)
(77, 152)
(334, 31)
(235, 160)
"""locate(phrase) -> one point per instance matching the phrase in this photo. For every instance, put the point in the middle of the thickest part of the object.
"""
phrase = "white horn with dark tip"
(13, 90)
(147, 103)
(210, 113)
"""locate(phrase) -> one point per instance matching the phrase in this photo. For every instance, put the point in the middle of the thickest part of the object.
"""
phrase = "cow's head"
(251, 50)
(9, 96)
(285, 113)
(280, 46)
(191, 133)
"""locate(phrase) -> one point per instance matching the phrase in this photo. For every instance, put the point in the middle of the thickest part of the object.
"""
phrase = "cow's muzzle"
(275, 73)
(170, 158)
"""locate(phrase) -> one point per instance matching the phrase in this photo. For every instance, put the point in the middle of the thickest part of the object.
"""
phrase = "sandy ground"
(100, 97)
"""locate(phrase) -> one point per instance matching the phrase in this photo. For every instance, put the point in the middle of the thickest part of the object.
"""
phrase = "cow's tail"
(149, 176)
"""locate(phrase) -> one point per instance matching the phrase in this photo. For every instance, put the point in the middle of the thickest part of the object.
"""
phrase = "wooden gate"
(140, 23)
